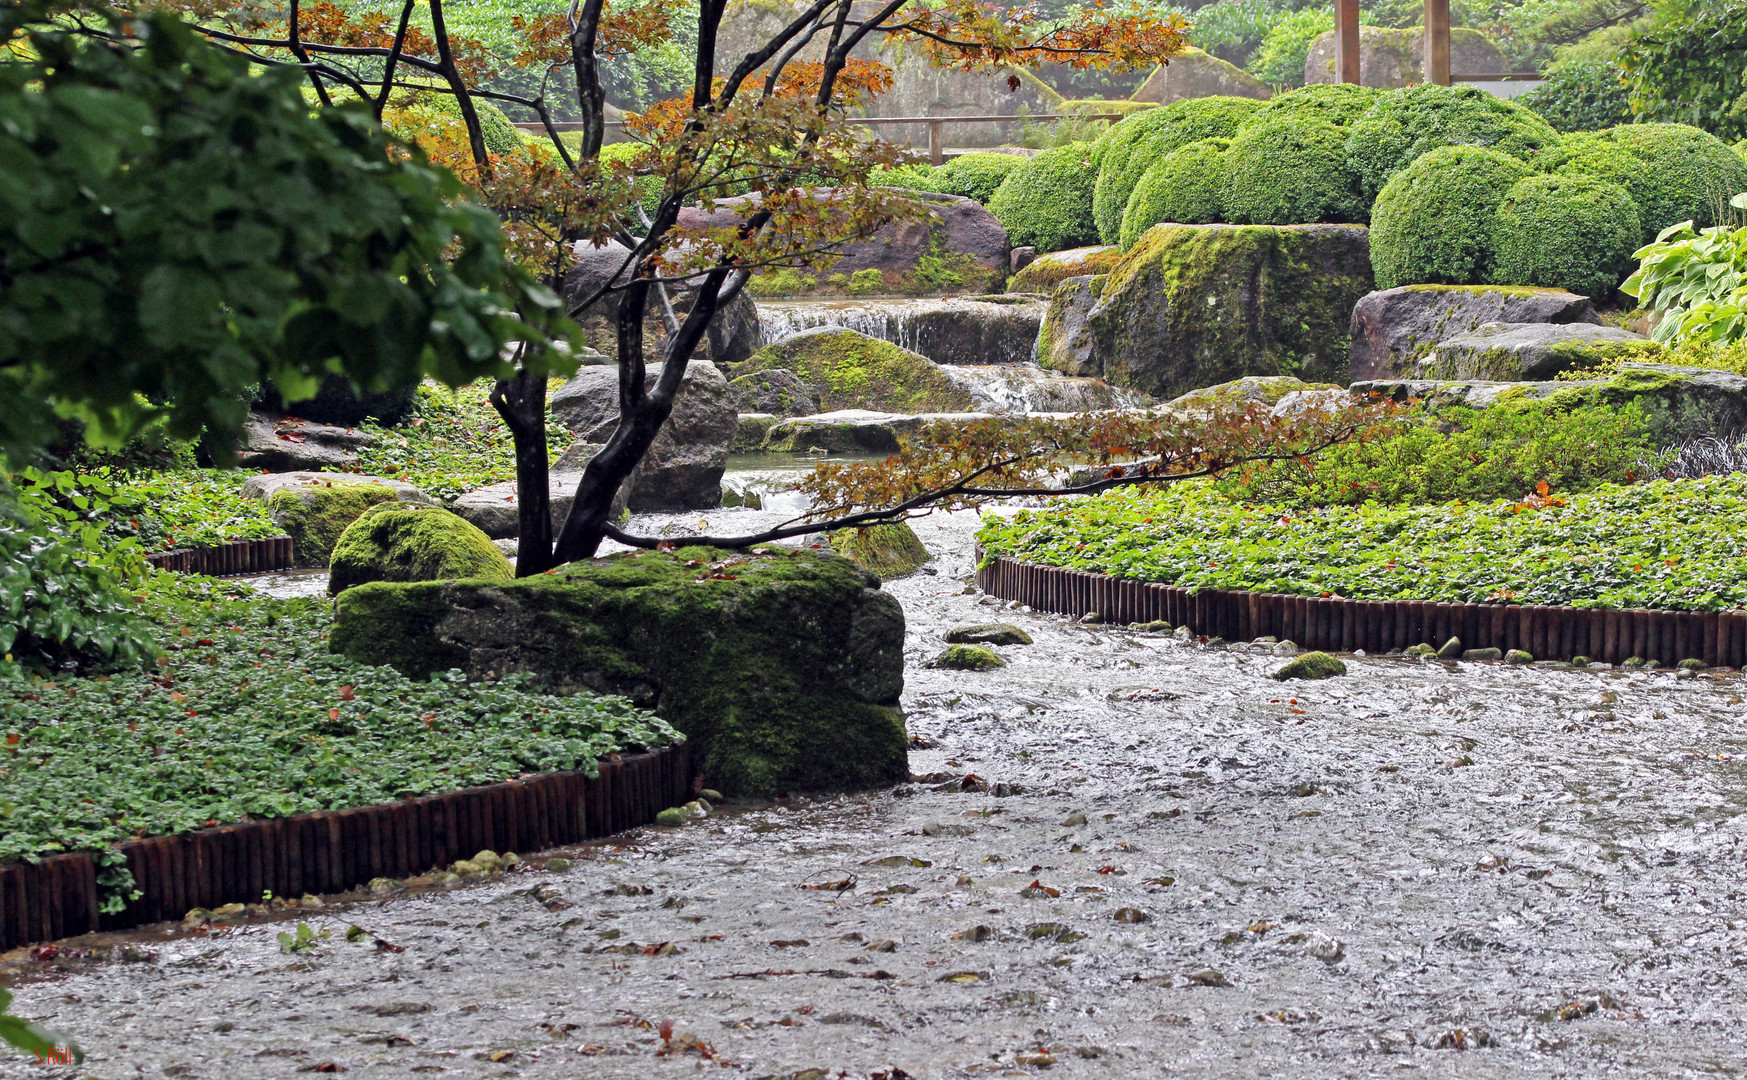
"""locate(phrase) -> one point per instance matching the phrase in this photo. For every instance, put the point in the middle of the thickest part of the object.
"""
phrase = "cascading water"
(1019, 389)
(947, 330)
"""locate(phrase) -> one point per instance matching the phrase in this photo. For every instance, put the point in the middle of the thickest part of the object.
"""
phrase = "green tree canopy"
(176, 226)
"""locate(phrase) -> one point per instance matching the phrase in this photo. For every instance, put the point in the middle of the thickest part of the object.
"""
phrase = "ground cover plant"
(1672, 544)
(453, 443)
(247, 715)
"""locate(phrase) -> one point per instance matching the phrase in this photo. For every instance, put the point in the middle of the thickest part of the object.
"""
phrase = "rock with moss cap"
(1054, 267)
(891, 550)
(416, 543)
(1311, 665)
(783, 667)
(1195, 74)
(316, 510)
(988, 634)
(778, 392)
(968, 658)
(1532, 352)
(1267, 390)
(1198, 305)
(1394, 328)
(847, 370)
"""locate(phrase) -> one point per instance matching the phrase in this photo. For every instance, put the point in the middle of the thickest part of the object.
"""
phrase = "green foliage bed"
(1674, 544)
(454, 443)
(247, 715)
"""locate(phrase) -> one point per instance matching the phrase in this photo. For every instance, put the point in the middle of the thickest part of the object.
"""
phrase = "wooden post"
(1347, 39)
(1437, 42)
(937, 153)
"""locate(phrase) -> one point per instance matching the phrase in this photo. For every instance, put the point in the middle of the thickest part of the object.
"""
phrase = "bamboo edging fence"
(1377, 626)
(233, 557)
(333, 851)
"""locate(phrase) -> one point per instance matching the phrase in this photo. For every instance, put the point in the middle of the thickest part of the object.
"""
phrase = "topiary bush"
(1564, 232)
(1582, 95)
(1406, 124)
(1046, 202)
(1432, 223)
(1341, 104)
(1292, 171)
(648, 188)
(1689, 174)
(1185, 187)
(1125, 153)
(975, 176)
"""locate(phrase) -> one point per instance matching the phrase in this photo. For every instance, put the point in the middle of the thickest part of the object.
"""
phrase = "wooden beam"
(1347, 39)
(1437, 42)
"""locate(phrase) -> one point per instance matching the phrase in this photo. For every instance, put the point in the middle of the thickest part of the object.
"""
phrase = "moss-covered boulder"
(1265, 390)
(1193, 74)
(1395, 328)
(847, 370)
(784, 668)
(778, 391)
(1199, 305)
(1064, 341)
(1311, 665)
(414, 543)
(892, 550)
(968, 658)
(314, 515)
(1052, 268)
(999, 633)
(1508, 352)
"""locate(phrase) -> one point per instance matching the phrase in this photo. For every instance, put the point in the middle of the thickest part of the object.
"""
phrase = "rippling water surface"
(1422, 869)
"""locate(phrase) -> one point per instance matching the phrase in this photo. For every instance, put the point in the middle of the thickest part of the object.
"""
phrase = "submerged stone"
(783, 668)
(969, 658)
(1311, 665)
(988, 634)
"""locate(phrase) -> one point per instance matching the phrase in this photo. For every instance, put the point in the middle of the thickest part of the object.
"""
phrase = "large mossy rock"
(1394, 328)
(315, 516)
(413, 543)
(848, 370)
(1268, 391)
(777, 391)
(783, 668)
(1198, 305)
(1197, 74)
(1533, 352)
(684, 466)
(1065, 342)
(291, 444)
(1049, 270)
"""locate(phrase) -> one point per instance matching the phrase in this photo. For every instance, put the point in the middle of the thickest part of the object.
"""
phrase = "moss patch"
(891, 550)
(1048, 271)
(1314, 665)
(784, 668)
(315, 516)
(968, 658)
(422, 543)
(848, 370)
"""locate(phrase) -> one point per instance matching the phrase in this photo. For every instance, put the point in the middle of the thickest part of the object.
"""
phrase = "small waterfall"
(883, 319)
(1018, 389)
(947, 330)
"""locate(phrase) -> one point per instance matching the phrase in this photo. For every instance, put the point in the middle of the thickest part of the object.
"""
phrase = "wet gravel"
(1421, 869)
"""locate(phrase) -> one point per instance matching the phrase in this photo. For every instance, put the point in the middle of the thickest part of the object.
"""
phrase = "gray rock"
(1531, 352)
(1394, 328)
(779, 392)
(734, 334)
(1451, 649)
(1196, 74)
(1020, 258)
(289, 444)
(852, 430)
(494, 510)
(988, 634)
(261, 488)
(1001, 329)
(1199, 305)
(1065, 342)
(684, 466)
(960, 227)
(1482, 654)
(1265, 390)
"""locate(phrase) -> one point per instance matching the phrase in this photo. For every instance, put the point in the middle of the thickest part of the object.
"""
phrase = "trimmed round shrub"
(648, 188)
(975, 176)
(1125, 152)
(1289, 172)
(1341, 104)
(1582, 95)
(1689, 174)
(1046, 202)
(1595, 155)
(1185, 187)
(1432, 223)
(1574, 233)
(501, 136)
(1408, 123)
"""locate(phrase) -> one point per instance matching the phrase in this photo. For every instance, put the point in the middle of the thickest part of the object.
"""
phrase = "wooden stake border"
(331, 851)
(233, 557)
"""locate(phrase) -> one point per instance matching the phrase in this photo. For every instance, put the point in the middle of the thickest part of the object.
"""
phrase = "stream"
(1422, 869)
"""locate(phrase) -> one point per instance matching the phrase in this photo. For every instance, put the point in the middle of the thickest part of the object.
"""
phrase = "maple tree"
(773, 124)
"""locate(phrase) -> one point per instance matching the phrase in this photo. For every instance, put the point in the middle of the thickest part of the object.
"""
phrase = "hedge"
(1565, 232)
(1046, 202)
(1186, 187)
(1125, 152)
(1292, 170)
(1433, 222)
(1341, 104)
(975, 176)
(1689, 174)
(1582, 95)
(1406, 124)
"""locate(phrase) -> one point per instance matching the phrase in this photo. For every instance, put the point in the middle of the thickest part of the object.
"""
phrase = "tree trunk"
(521, 401)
